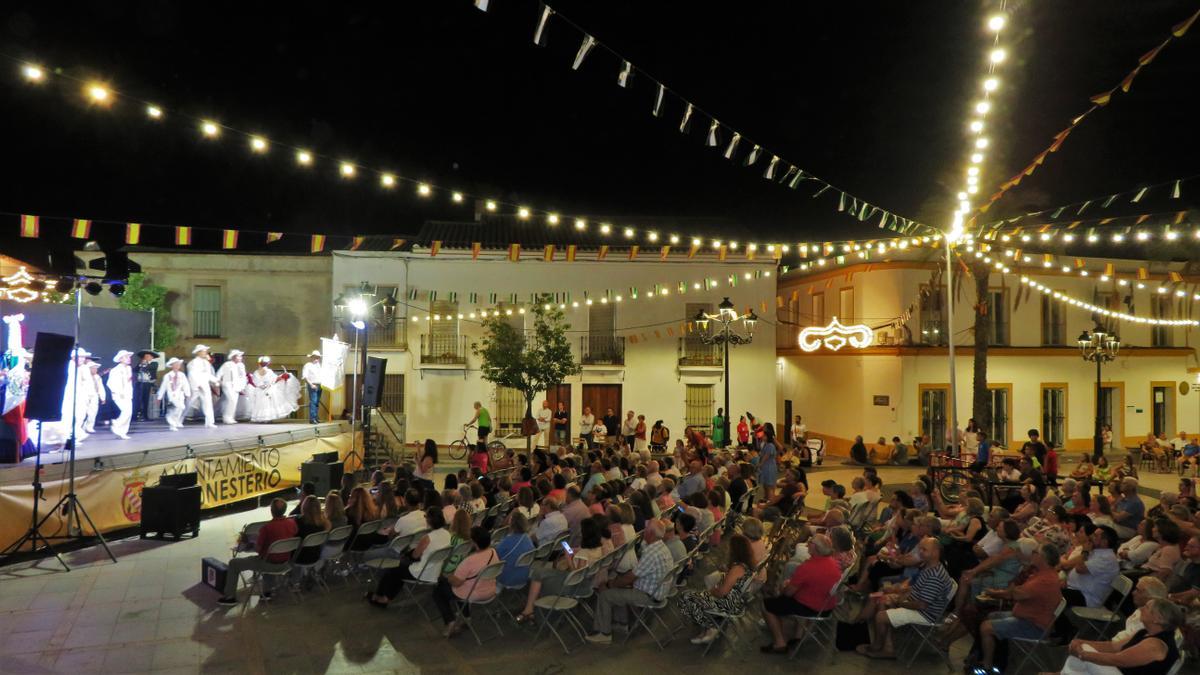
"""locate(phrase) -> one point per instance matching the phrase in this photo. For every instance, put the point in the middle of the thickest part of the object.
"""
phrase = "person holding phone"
(549, 577)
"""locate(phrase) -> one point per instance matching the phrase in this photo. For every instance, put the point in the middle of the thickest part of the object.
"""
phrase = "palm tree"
(981, 408)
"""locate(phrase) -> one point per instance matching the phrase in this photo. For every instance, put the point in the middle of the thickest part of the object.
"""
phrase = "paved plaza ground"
(149, 612)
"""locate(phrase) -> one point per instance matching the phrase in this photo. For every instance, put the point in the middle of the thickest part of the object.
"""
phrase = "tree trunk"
(525, 425)
(980, 403)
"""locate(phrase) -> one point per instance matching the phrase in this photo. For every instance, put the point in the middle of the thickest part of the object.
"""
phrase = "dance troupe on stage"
(261, 395)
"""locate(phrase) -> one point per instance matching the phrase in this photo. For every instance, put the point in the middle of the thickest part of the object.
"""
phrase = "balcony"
(443, 350)
(693, 352)
(602, 350)
(388, 334)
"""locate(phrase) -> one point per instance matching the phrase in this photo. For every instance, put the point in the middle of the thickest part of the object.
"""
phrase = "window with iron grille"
(698, 406)
(206, 311)
(998, 403)
(392, 400)
(1054, 322)
(510, 408)
(818, 310)
(1161, 336)
(1054, 416)
(998, 313)
(846, 305)
(933, 416)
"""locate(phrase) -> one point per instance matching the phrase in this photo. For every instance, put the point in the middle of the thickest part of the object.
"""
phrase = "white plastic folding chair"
(248, 535)
(334, 551)
(927, 633)
(822, 628)
(309, 570)
(352, 556)
(278, 570)
(646, 615)
(1024, 650)
(1098, 620)
(433, 561)
(488, 573)
(554, 609)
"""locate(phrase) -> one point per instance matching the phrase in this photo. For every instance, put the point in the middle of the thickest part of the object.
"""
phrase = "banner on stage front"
(333, 362)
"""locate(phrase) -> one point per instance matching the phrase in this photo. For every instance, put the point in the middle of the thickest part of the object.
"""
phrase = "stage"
(232, 462)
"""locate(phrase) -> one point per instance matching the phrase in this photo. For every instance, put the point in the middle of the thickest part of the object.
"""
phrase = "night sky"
(871, 96)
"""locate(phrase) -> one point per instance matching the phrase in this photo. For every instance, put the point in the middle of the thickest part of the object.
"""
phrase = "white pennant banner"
(770, 172)
(540, 34)
(584, 48)
(712, 140)
(658, 99)
(625, 74)
(687, 119)
(733, 142)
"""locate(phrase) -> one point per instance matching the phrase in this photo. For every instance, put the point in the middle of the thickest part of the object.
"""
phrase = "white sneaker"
(210, 426)
(705, 637)
(598, 638)
(122, 437)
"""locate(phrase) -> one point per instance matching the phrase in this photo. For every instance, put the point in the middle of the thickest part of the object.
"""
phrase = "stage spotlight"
(117, 290)
(64, 285)
(37, 285)
(92, 288)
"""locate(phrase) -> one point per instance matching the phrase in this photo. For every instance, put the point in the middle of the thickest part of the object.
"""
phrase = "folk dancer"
(313, 380)
(95, 397)
(263, 379)
(232, 376)
(175, 390)
(201, 379)
(147, 375)
(120, 383)
(75, 397)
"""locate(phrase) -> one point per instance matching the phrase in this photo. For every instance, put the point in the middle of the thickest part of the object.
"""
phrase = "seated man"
(881, 452)
(899, 451)
(1034, 603)
(280, 527)
(807, 592)
(552, 523)
(923, 601)
(636, 588)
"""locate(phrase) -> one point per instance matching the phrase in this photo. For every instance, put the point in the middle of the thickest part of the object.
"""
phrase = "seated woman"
(893, 558)
(510, 549)
(1103, 473)
(436, 539)
(1138, 550)
(807, 592)
(1150, 650)
(335, 509)
(728, 596)
(995, 570)
(460, 532)
(463, 584)
(1100, 511)
(1052, 528)
(1163, 560)
(360, 509)
(964, 534)
(1028, 507)
(548, 577)
(1084, 470)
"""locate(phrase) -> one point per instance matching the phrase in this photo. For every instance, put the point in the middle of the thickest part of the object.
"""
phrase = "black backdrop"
(102, 331)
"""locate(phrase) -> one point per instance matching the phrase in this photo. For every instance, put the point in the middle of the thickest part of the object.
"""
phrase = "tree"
(143, 294)
(530, 362)
(981, 406)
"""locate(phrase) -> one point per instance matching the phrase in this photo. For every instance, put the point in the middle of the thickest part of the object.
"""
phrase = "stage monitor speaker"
(48, 377)
(373, 382)
(325, 457)
(325, 476)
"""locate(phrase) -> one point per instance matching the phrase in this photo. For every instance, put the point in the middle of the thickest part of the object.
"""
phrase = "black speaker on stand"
(373, 379)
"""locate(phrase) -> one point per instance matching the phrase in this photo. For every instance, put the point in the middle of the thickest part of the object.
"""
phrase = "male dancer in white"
(201, 378)
(120, 383)
(75, 397)
(232, 376)
(96, 396)
(175, 389)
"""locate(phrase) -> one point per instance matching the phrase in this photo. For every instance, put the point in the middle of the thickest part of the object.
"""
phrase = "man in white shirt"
(653, 477)
(587, 422)
(76, 395)
(201, 378)
(629, 428)
(95, 397)
(552, 523)
(543, 421)
(799, 432)
(312, 376)
(232, 377)
(859, 496)
(175, 391)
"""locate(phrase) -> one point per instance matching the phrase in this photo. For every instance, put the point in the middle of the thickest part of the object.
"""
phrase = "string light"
(605, 228)
(523, 213)
(580, 224)
(347, 170)
(304, 157)
(552, 218)
(387, 180)
(210, 129)
(456, 197)
(98, 93)
(996, 23)
(154, 112)
(258, 144)
(997, 55)
(629, 233)
(674, 239)
(424, 190)
(1104, 311)
(490, 205)
(33, 73)
(653, 236)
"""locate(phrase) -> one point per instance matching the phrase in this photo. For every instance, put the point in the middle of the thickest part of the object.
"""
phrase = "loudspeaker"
(212, 574)
(325, 476)
(373, 382)
(325, 457)
(48, 377)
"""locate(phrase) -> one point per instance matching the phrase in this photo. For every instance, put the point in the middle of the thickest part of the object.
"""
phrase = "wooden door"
(601, 397)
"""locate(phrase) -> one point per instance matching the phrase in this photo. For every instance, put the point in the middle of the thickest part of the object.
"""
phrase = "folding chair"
(335, 545)
(246, 540)
(1027, 648)
(548, 548)
(395, 557)
(556, 608)
(499, 534)
(433, 560)
(1100, 619)
(822, 628)
(352, 557)
(927, 633)
(308, 570)
(525, 561)
(281, 570)
(488, 573)
(646, 615)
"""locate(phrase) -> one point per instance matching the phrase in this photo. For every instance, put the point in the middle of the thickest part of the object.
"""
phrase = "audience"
(729, 595)
(280, 527)
(806, 594)
(636, 588)
(923, 601)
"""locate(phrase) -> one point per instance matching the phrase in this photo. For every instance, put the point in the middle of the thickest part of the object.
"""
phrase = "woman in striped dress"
(728, 597)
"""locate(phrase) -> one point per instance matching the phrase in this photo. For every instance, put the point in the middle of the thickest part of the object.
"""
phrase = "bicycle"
(458, 449)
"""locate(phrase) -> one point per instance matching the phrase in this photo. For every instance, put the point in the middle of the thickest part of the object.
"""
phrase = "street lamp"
(723, 334)
(1100, 348)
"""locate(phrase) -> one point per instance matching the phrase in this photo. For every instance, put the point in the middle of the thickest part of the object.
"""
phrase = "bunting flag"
(751, 251)
(274, 236)
(473, 298)
(681, 287)
(133, 233)
(732, 147)
(514, 252)
(433, 295)
(712, 141)
(584, 48)
(722, 252)
(1143, 273)
(658, 100)
(412, 293)
(571, 248)
(481, 5)
(317, 244)
(600, 255)
(539, 35)
(753, 156)
(476, 247)
(770, 172)
(183, 236)
(435, 247)
(397, 243)
(81, 229)
(30, 226)
(548, 253)
(626, 73)
(692, 251)
(686, 122)
(633, 251)
(356, 243)
(229, 239)
(664, 252)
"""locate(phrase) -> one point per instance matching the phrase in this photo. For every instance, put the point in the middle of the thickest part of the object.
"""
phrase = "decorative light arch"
(835, 336)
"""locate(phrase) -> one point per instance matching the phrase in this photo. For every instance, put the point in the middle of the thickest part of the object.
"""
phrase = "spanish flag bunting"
(229, 239)
(1175, 276)
(571, 248)
(670, 331)
(1180, 216)
(732, 279)
(779, 300)
(763, 306)
(1149, 56)
(435, 247)
(657, 334)
(1048, 257)
(183, 236)
(356, 243)
(1074, 225)
(1182, 27)
(133, 233)
(397, 243)
(633, 251)
(722, 251)
(1143, 273)
(30, 226)
(1108, 269)
(317, 244)
(1128, 81)
(1044, 227)
(514, 252)
(548, 253)
(750, 251)
(633, 339)
(1079, 263)
(274, 236)
(664, 252)
(476, 247)
(692, 251)
(602, 252)
(81, 229)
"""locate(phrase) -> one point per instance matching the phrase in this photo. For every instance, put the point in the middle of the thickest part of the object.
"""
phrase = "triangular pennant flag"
(1180, 216)
(356, 243)
(584, 48)
(229, 239)
(664, 252)
(133, 233)
(81, 229)
(1182, 27)
(752, 157)
(824, 187)
(481, 5)
(571, 252)
(1143, 273)
(770, 171)
(276, 236)
(1059, 138)
(732, 147)
(1138, 197)
(1175, 276)
(435, 247)
(31, 226)
(722, 252)
(1057, 213)
(433, 295)
(1108, 269)
(686, 122)
(1100, 100)
(476, 247)
(751, 251)
(626, 73)
(317, 244)
(633, 251)
(548, 253)
(602, 252)
(514, 252)
(1146, 58)
(412, 292)
(796, 178)
(1175, 192)
(1083, 208)
(539, 35)
(681, 287)
(1108, 201)
(694, 248)
(397, 243)
(1142, 218)
(712, 141)
(1128, 81)
(658, 99)
(183, 236)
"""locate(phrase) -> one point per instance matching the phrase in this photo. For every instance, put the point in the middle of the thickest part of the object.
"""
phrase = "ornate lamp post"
(721, 332)
(1100, 348)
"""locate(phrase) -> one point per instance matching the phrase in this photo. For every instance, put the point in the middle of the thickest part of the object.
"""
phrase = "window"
(693, 351)
(206, 311)
(602, 345)
(998, 312)
(933, 415)
(818, 309)
(933, 319)
(392, 400)
(510, 409)
(1054, 414)
(1054, 322)
(1162, 306)
(1110, 301)
(998, 402)
(442, 344)
(387, 330)
(699, 406)
(846, 305)
(1162, 408)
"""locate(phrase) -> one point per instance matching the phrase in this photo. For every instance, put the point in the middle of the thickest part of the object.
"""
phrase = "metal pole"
(950, 344)
(1098, 440)
(725, 417)
(354, 392)
(72, 524)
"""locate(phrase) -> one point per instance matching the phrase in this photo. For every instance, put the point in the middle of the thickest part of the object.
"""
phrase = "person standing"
(629, 428)
(201, 379)
(95, 395)
(313, 381)
(232, 378)
(120, 383)
(482, 419)
(262, 407)
(174, 390)
(718, 429)
(612, 427)
(544, 417)
(147, 375)
(743, 432)
(768, 468)
(587, 422)
(75, 397)
(562, 424)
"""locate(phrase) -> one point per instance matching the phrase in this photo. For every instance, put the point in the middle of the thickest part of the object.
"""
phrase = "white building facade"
(899, 385)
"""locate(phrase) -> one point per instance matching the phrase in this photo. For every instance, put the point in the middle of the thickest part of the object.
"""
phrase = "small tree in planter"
(529, 361)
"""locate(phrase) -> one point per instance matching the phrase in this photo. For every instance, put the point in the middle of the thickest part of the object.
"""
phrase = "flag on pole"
(183, 236)
(664, 252)
(317, 244)
(30, 226)
(274, 236)
(229, 239)
(133, 233)
(514, 252)
(81, 229)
